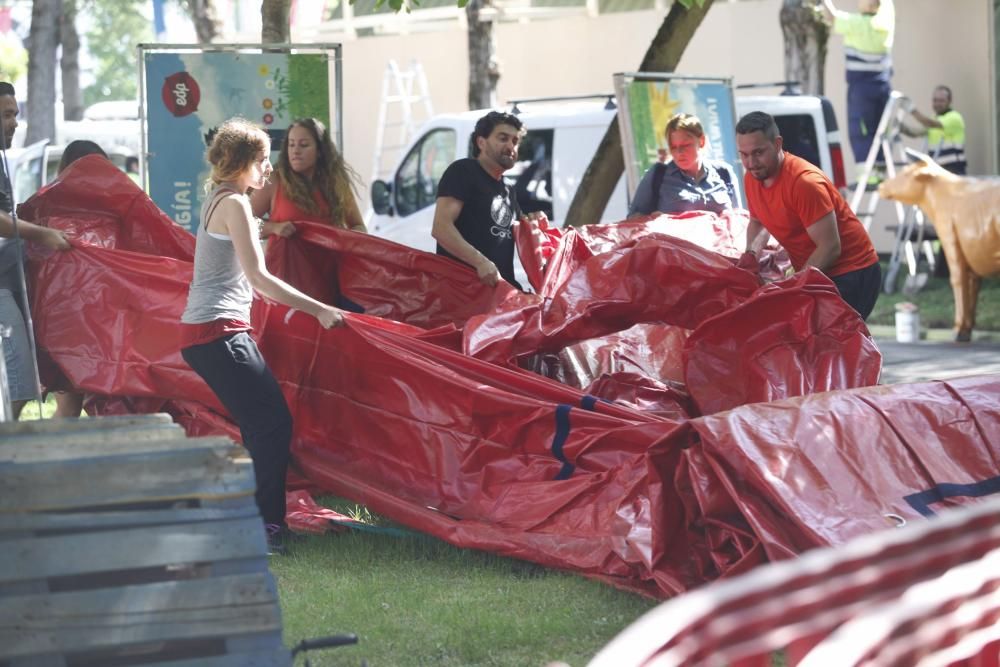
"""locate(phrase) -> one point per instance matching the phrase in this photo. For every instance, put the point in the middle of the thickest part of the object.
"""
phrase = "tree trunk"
(70, 62)
(996, 87)
(805, 35)
(44, 36)
(606, 168)
(484, 71)
(206, 23)
(274, 15)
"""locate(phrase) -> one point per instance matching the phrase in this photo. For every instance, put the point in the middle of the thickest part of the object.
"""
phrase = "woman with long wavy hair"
(312, 183)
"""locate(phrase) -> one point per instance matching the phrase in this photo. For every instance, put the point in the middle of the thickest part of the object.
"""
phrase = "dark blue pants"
(866, 101)
(860, 288)
(234, 369)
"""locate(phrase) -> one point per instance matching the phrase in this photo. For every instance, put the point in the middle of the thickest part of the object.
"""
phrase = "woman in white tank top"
(228, 266)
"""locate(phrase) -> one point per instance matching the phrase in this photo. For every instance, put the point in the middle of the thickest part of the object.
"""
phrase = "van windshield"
(798, 135)
(531, 177)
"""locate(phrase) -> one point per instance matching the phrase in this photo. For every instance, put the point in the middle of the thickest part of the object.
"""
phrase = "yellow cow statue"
(966, 216)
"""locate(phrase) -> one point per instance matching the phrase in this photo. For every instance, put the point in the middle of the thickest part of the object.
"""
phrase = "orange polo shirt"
(801, 195)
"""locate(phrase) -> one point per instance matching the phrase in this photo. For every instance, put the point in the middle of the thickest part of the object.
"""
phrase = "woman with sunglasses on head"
(228, 266)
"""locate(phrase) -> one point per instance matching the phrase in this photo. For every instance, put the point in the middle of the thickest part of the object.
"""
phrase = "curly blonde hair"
(333, 177)
(234, 148)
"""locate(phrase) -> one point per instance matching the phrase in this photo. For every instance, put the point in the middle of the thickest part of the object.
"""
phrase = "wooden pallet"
(122, 542)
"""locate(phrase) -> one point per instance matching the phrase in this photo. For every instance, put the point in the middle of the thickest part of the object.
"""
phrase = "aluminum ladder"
(910, 223)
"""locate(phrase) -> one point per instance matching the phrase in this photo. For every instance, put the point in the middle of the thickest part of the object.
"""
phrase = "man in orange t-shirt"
(791, 199)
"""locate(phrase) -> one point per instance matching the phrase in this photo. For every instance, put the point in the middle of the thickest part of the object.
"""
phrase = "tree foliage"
(118, 27)
(13, 60)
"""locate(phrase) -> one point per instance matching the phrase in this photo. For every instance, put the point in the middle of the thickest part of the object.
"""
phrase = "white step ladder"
(910, 224)
(402, 90)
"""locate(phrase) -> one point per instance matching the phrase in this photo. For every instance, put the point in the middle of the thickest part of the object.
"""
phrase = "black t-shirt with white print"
(489, 210)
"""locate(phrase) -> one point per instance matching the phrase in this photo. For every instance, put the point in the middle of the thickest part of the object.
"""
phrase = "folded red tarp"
(654, 278)
(367, 274)
(96, 203)
(744, 353)
(791, 338)
(821, 469)
(539, 245)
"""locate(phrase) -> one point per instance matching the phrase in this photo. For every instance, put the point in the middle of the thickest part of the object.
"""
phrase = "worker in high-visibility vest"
(945, 132)
(868, 36)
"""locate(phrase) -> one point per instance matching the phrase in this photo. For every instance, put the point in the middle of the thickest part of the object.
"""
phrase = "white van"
(36, 165)
(560, 142)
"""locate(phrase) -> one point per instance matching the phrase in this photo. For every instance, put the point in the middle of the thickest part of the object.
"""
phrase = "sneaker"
(277, 539)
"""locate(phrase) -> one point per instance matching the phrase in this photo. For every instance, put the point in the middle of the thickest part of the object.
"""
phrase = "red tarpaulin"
(619, 484)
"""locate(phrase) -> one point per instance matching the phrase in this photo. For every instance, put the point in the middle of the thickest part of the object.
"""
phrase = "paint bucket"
(907, 322)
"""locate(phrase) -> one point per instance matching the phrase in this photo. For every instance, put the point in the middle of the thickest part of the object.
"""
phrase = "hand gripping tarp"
(497, 458)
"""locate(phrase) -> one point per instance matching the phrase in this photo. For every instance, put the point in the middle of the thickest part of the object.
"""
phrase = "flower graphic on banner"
(267, 103)
(263, 70)
(661, 108)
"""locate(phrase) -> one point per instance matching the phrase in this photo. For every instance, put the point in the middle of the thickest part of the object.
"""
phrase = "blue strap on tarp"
(559, 439)
(922, 500)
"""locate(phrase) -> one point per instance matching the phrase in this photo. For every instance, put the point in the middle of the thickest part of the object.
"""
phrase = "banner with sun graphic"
(188, 94)
(647, 101)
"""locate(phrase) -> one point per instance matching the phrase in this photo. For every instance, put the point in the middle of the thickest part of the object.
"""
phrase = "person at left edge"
(475, 212)
(20, 365)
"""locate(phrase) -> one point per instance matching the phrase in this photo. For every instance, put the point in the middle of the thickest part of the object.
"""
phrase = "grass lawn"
(414, 600)
(32, 408)
(937, 305)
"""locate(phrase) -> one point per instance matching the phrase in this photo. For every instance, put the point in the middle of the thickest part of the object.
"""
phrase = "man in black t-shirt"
(475, 214)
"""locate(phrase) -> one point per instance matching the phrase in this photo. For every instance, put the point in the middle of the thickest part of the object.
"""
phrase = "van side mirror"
(381, 198)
